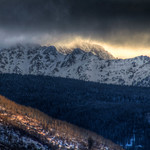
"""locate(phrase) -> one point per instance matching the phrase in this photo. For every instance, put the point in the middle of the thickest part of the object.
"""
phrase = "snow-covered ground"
(33, 126)
(97, 65)
(11, 137)
(11, 132)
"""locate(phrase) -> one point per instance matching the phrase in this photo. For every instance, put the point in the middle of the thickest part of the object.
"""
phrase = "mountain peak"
(143, 57)
(87, 47)
(86, 62)
(78, 51)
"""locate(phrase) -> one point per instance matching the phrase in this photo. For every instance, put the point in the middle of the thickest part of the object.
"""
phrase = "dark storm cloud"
(112, 20)
(35, 15)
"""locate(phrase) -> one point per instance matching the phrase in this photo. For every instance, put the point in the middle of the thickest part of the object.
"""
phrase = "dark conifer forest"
(118, 113)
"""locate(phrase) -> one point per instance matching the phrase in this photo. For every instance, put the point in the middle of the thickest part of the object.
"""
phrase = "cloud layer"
(116, 22)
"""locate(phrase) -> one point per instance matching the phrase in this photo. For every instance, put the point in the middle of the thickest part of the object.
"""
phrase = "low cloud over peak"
(115, 22)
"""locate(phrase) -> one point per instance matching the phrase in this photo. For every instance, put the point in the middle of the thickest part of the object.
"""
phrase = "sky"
(122, 27)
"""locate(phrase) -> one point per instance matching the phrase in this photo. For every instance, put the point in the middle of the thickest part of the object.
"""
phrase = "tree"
(90, 143)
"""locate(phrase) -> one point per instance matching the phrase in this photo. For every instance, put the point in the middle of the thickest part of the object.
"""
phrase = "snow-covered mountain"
(87, 47)
(90, 63)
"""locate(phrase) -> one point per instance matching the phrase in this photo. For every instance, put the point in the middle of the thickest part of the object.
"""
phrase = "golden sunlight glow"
(116, 50)
(126, 51)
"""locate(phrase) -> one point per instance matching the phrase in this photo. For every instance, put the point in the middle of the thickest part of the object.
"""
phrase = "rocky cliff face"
(91, 63)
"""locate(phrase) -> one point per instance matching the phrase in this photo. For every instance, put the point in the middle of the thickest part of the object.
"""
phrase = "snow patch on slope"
(84, 63)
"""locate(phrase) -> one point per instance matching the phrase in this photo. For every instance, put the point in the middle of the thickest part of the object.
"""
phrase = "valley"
(119, 113)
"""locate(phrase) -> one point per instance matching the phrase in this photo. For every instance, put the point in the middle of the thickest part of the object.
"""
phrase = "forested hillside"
(24, 128)
(119, 113)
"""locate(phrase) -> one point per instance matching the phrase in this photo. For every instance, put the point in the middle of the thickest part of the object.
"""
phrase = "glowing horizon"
(117, 51)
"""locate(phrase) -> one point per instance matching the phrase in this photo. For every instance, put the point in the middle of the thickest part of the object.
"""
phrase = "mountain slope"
(90, 64)
(118, 113)
(26, 128)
